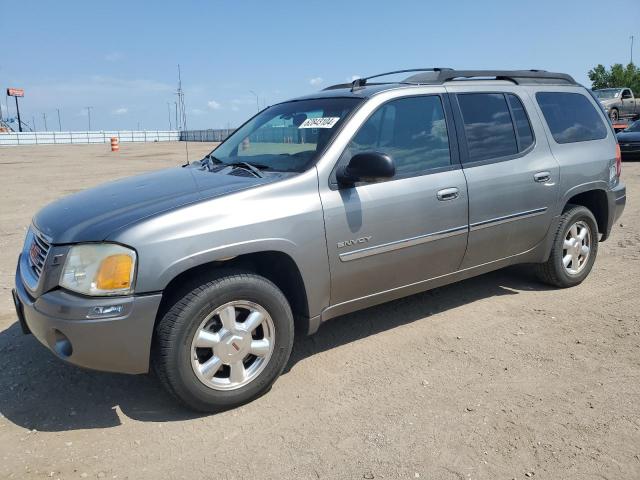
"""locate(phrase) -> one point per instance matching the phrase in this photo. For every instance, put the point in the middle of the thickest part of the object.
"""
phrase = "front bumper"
(59, 320)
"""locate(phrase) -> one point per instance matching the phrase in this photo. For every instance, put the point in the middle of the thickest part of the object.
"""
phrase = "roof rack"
(361, 82)
(438, 76)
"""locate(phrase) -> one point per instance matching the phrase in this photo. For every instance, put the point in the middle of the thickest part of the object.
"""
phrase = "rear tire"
(574, 250)
(223, 343)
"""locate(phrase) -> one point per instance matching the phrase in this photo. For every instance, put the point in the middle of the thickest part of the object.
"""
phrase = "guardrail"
(55, 138)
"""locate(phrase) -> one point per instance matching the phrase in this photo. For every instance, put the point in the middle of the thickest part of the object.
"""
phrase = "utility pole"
(631, 61)
(177, 124)
(33, 119)
(59, 122)
(18, 112)
(257, 100)
(44, 118)
(89, 116)
(169, 110)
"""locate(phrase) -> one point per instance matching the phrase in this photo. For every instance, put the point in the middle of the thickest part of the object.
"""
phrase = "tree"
(616, 77)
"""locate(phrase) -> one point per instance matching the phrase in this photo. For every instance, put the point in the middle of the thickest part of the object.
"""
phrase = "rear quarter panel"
(583, 165)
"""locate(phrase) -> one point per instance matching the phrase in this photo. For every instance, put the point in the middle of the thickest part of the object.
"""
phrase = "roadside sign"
(15, 92)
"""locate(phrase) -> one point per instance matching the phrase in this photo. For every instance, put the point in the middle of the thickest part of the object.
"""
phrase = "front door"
(383, 236)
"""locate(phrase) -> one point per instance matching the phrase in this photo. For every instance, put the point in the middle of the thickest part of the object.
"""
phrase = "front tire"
(614, 115)
(224, 343)
(574, 250)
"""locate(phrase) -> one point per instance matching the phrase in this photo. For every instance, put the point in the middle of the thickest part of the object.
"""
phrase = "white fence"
(54, 138)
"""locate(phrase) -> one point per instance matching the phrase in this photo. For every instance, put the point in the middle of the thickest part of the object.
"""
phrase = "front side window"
(412, 130)
(289, 136)
(571, 117)
(487, 126)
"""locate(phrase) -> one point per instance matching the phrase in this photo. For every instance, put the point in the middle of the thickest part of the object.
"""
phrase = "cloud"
(120, 111)
(213, 105)
(315, 81)
(235, 108)
(197, 111)
(113, 56)
(353, 77)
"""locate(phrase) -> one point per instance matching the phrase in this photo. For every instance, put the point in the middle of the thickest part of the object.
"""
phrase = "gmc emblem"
(34, 253)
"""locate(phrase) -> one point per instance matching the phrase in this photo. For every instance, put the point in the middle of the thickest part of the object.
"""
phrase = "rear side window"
(487, 126)
(521, 121)
(571, 117)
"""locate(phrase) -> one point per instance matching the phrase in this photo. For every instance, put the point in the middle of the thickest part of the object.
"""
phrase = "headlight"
(99, 269)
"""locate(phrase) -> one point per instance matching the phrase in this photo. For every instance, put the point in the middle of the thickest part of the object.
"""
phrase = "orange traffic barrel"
(115, 144)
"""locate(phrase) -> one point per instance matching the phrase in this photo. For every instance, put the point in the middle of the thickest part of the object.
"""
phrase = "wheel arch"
(276, 266)
(594, 199)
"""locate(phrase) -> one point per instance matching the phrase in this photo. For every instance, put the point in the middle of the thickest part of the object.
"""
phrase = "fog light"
(105, 311)
(62, 345)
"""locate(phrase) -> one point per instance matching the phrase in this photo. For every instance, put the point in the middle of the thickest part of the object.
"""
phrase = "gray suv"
(316, 207)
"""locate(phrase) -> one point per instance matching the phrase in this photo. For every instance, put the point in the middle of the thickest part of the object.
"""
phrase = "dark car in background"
(629, 140)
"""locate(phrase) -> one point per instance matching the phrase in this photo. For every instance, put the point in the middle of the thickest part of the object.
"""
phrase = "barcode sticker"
(321, 122)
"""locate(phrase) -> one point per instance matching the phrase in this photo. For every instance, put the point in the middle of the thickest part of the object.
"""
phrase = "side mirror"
(366, 167)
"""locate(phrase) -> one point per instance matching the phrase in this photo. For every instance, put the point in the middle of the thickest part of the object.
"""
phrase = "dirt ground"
(497, 377)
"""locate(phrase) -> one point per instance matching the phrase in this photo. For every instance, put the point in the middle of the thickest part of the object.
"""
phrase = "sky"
(121, 58)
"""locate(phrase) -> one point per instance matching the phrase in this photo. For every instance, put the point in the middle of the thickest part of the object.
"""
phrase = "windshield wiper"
(253, 168)
(210, 160)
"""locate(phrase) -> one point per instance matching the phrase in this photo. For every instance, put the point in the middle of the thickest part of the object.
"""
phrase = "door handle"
(447, 194)
(542, 177)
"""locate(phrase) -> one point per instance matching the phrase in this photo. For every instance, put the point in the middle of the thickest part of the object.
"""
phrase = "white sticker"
(321, 122)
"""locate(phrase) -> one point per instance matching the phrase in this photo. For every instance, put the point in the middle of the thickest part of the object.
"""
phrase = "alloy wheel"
(232, 345)
(576, 248)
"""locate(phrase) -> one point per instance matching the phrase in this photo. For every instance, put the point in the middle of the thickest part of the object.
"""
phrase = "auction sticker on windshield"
(321, 122)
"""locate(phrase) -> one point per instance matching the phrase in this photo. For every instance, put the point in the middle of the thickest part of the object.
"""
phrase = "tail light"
(618, 160)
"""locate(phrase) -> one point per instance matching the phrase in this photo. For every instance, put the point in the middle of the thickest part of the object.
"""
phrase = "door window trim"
(454, 153)
(462, 137)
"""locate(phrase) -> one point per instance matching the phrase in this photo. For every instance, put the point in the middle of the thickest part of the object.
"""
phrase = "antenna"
(183, 115)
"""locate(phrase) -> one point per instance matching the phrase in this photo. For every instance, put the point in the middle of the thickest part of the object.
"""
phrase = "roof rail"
(515, 76)
(361, 82)
(438, 76)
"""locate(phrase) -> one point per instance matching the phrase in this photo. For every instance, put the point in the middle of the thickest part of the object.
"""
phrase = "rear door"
(386, 235)
(512, 177)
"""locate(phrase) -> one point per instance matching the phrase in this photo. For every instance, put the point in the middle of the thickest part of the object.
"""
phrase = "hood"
(609, 101)
(628, 137)
(91, 215)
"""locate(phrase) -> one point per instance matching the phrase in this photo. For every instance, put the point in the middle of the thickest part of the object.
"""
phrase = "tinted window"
(521, 121)
(571, 117)
(487, 126)
(412, 130)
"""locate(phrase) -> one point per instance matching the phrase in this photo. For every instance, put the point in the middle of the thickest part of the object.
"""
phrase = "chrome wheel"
(232, 345)
(576, 248)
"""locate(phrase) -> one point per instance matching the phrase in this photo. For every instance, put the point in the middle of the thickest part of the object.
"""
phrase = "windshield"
(607, 93)
(287, 137)
(634, 127)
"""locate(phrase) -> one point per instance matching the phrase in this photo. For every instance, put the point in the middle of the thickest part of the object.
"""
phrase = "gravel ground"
(496, 377)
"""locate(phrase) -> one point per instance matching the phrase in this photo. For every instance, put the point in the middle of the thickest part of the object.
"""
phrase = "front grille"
(38, 251)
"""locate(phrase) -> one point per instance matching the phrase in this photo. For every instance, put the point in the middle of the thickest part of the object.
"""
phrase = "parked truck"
(618, 102)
